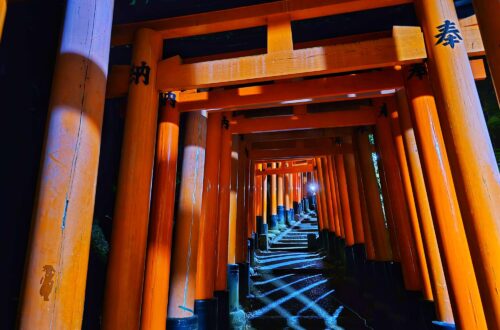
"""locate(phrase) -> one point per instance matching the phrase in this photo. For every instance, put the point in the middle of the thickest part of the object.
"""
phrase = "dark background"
(27, 54)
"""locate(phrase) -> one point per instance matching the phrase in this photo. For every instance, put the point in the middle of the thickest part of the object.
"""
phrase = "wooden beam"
(405, 46)
(301, 143)
(300, 134)
(342, 118)
(245, 17)
(286, 170)
(293, 153)
(363, 85)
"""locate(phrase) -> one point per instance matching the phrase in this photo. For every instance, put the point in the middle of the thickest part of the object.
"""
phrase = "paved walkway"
(294, 288)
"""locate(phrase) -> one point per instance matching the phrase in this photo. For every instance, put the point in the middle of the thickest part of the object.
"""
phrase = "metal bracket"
(383, 110)
(418, 70)
(169, 97)
(225, 122)
(136, 72)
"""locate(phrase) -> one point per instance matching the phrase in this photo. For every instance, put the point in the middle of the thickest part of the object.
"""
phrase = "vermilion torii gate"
(448, 190)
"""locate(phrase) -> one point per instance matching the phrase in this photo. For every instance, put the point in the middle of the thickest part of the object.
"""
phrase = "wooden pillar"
(336, 195)
(475, 170)
(281, 198)
(224, 206)
(344, 199)
(329, 199)
(258, 196)
(273, 225)
(184, 252)
(489, 25)
(380, 234)
(233, 201)
(156, 282)
(264, 196)
(365, 216)
(56, 265)
(327, 223)
(240, 237)
(392, 172)
(410, 199)
(124, 281)
(3, 12)
(436, 274)
(457, 262)
(351, 184)
(251, 223)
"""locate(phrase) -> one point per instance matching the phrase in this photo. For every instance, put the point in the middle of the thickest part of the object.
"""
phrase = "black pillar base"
(244, 280)
(184, 323)
(206, 310)
(259, 222)
(222, 309)
(233, 279)
(251, 249)
(296, 208)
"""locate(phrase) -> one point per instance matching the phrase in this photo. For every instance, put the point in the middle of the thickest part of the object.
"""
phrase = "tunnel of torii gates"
(246, 177)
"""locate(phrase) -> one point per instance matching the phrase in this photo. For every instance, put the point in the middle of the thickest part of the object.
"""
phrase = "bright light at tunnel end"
(313, 187)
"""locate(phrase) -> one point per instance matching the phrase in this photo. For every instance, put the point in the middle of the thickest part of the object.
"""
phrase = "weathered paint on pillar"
(156, 282)
(233, 202)
(489, 25)
(206, 263)
(124, 281)
(455, 254)
(56, 265)
(473, 163)
(344, 200)
(183, 269)
(224, 207)
(436, 273)
(380, 234)
(392, 171)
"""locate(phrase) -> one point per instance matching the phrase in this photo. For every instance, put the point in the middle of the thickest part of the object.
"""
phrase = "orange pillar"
(233, 201)
(392, 172)
(354, 198)
(56, 264)
(322, 198)
(3, 12)
(319, 212)
(380, 234)
(439, 288)
(344, 200)
(264, 196)
(258, 197)
(474, 167)
(329, 199)
(240, 228)
(224, 206)
(365, 216)
(184, 252)
(124, 281)
(457, 262)
(156, 282)
(273, 224)
(251, 223)
(281, 199)
(489, 25)
(336, 194)
(409, 194)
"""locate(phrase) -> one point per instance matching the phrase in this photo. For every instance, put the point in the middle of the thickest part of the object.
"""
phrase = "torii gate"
(64, 209)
